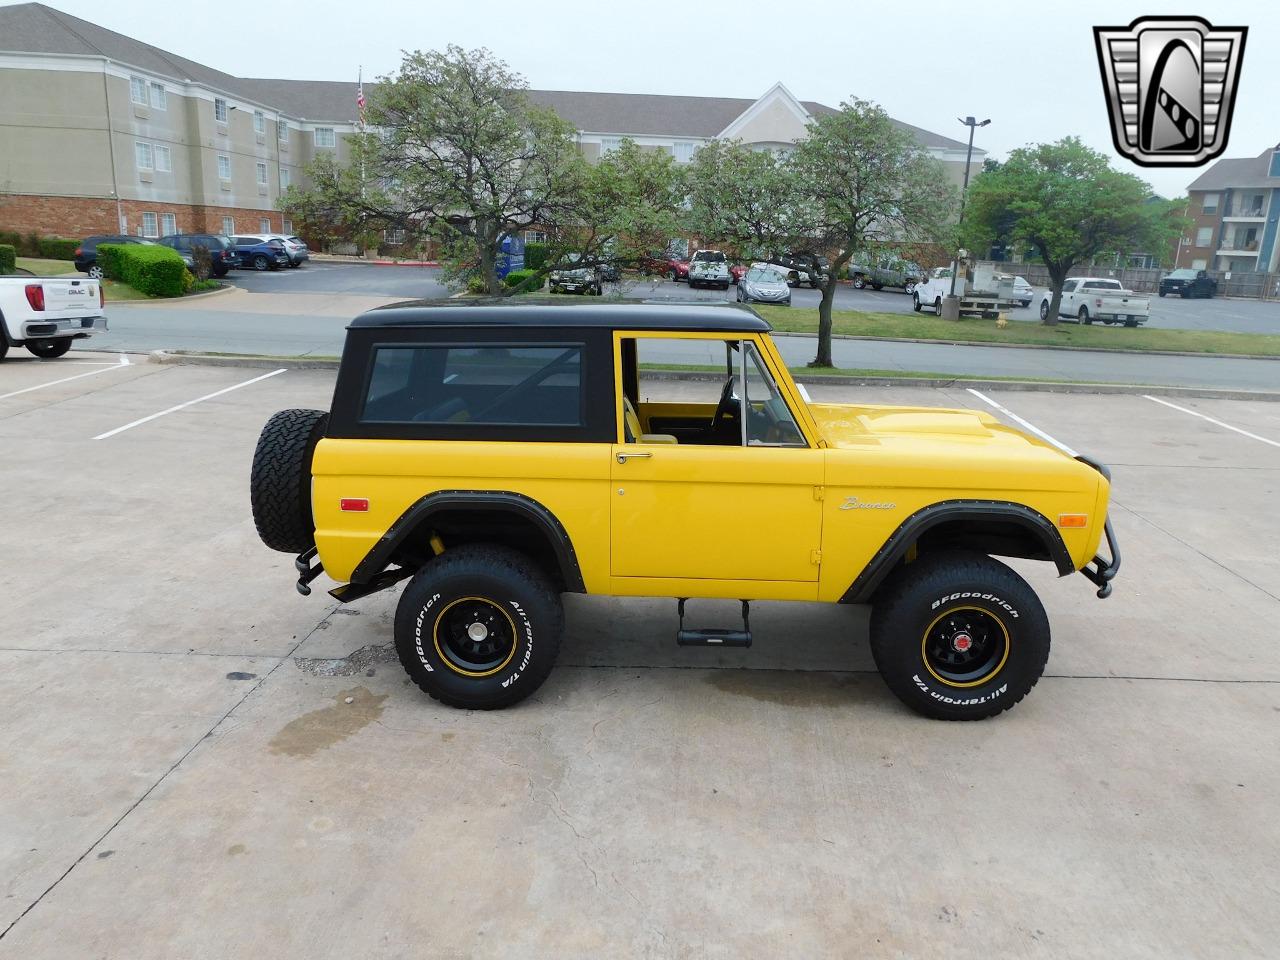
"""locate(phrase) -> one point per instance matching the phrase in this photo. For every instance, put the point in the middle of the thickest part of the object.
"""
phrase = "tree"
(454, 149)
(748, 199)
(865, 181)
(1065, 202)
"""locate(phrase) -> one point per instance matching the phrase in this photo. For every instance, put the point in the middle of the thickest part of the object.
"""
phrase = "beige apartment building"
(102, 133)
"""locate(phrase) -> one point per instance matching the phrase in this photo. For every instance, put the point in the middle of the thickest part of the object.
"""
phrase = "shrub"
(523, 279)
(8, 258)
(535, 256)
(202, 260)
(11, 238)
(153, 270)
(57, 248)
(475, 285)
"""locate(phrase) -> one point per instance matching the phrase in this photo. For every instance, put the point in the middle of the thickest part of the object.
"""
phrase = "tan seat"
(634, 431)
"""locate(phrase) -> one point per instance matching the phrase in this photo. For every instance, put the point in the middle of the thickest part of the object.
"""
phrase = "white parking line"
(1246, 433)
(124, 362)
(189, 403)
(1028, 425)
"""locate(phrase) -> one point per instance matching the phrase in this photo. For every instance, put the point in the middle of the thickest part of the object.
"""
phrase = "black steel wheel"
(49, 349)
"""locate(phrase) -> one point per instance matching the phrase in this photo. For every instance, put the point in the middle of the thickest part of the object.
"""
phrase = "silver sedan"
(764, 284)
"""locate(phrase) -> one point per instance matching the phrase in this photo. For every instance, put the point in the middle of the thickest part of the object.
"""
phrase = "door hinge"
(818, 493)
(815, 556)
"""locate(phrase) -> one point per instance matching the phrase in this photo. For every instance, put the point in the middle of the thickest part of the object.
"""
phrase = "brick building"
(1234, 208)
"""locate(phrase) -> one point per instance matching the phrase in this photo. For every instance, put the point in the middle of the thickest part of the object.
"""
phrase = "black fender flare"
(503, 501)
(911, 529)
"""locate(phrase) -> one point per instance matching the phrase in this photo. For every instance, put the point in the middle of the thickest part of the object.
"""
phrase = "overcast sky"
(1031, 67)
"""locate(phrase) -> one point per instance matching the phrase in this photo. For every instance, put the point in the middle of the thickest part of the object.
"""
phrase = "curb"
(170, 301)
(1021, 386)
(404, 263)
(1035, 346)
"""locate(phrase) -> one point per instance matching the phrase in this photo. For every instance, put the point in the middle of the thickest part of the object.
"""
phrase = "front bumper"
(63, 327)
(1101, 571)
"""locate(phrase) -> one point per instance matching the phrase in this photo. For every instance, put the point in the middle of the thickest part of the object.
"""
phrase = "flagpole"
(360, 122)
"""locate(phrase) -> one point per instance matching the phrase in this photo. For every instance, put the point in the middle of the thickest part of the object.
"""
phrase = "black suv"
(222, 256)
(1189, 283)
(86, 258)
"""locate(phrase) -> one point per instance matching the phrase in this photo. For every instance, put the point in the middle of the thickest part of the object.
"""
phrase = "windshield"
(1183, 275)
(709, 256)
(760, 275)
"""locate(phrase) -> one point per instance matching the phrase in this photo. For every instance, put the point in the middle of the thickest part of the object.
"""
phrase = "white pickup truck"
(1096, 298)
(981, 291)
(45, 315)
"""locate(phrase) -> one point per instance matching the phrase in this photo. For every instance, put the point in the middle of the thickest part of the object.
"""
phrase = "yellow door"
(715, 512)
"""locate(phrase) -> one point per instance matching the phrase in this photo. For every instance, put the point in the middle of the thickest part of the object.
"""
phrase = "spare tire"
(280, 480)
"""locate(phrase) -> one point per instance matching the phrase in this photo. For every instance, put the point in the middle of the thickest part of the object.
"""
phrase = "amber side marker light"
(354, 504)
(1073, 520)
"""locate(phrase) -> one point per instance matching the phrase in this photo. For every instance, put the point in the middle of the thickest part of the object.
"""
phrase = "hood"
(859, 425)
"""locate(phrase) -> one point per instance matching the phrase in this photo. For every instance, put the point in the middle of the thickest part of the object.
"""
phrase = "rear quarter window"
(517, 384)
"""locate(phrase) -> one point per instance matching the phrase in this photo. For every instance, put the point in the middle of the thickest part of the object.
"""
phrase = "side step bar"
(714, 637)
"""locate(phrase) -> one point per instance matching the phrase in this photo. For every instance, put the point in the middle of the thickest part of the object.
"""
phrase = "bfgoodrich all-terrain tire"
(280, 480)
(959, 636)
(479, 627)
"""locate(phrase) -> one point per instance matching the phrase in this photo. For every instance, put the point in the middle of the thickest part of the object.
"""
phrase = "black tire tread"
(490, 559)
(280, 479)
(947, 566)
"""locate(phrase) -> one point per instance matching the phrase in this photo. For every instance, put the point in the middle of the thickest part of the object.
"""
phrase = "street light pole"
(972, 124)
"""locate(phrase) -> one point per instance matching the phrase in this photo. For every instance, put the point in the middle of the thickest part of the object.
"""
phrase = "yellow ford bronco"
(499, 455)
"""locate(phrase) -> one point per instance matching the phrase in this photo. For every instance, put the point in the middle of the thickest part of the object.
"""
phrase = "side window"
(769, 422)
(508, 384)
(1069, 286)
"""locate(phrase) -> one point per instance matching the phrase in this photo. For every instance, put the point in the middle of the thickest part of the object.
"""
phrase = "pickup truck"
(985, 295)
(709, 268)
(888, 273)
(1097, 298)
(45, 315)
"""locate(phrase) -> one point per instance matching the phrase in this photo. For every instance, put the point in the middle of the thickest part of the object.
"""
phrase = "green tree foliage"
(1065, 203)
(748, 199)
(866, 182)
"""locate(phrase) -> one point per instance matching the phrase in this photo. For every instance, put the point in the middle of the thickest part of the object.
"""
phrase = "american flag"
(360, 95)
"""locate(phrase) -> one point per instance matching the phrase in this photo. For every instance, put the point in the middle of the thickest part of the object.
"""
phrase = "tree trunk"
(489, 266)
(823, 357)
(1057, 277)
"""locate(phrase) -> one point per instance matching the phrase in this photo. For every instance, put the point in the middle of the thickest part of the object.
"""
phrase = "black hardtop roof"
(526, 312)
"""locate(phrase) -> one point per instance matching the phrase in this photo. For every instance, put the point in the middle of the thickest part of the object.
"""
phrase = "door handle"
(622, 456)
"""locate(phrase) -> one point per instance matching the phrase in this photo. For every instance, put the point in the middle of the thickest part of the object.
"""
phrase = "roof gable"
(776, 117)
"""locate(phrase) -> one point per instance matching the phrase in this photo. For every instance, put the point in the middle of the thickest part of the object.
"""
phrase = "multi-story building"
(101, 133)
(1234, 209)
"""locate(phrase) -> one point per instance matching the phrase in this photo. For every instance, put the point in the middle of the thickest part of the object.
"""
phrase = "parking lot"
(199, 763)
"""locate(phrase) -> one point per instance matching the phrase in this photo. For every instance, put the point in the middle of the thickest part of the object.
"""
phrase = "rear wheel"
(877, 286)
(260, 262)
(280, 479)
(1131, 323)
(1084, 317)
(959, 636)
(95, 272)
(937, 306)
(49, 349)
(859, 281)
(909, 286)
(479, 627)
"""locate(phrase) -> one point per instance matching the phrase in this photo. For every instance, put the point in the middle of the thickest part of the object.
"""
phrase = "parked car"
(1189, 283)
(664, 265)
(47, 315)
(260, 253)
(764, 283)
(86, 259)
(889, 272)
(610, 272)
(1098, 298)
(1023, 292)
(709, 268)
(296, 247)
(577, 279)
(737, 271)
(221, 255)
(803, 267)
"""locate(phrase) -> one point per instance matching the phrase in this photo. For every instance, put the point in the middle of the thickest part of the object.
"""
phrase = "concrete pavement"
(185, 777)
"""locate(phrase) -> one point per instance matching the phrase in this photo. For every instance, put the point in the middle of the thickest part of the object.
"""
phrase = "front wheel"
(1162, 292)
(671, 276)
(49, 349)
(959, 636)
(1044, 309)
(915, 301)
(877, 286)
(859, 281)
(479, 627)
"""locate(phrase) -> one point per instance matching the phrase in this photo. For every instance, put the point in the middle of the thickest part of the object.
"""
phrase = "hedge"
(32, 245)
(8, 258)
(518, 277)
(535, 256)
(154, 270)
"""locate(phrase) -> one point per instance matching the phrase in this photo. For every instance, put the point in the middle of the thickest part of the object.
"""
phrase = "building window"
(164, 159)
(138, 90)
(393, 235)
(609, 144)
(264, 225)
(1210, 203)
(683, 151)
(535, 236)
(284, 178)
(228, 225)
(325, 137)
(224, 167)
(287, 226)
(219, 109)
(261, 169)
(159, 97)
(282, 131)
(259, 122)
(1198, 264)
(124, 225)
(1204, 236)
(143, 155)
(168, 224)
(149, 225)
